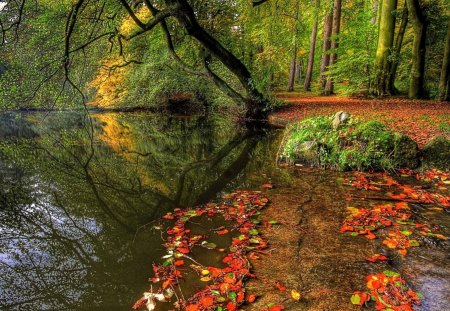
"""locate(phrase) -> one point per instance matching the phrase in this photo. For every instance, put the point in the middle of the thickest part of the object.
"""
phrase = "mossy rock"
(406, 151)
(353, 145)
(307, 153)
(436, 153)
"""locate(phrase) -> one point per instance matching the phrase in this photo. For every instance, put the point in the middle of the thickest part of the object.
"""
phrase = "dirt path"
(419, 119)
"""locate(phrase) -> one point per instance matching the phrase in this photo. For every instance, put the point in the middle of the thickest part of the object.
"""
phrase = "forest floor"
(419, 119)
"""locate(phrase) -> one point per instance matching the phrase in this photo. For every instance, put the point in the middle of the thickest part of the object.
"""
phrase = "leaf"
(254, 232)
(276, 308)
(251, 298)
(295, 295)
(280, 286)
(232, 296)
(183, 250)
(390, 273)
(192, 308)
(208, 245)
(440, 236)
(267, 186)
(355, 299)
(207, 301)
(414, 243)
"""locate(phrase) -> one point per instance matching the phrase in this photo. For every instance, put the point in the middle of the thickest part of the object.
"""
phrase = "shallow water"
(80, 198)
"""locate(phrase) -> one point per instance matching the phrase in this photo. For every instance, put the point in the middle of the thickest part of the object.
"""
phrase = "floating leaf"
(295, 295)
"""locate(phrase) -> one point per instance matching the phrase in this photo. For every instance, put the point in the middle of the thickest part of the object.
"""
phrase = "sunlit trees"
(385, 42)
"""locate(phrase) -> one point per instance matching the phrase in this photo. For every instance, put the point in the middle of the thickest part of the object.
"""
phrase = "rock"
(436, 153)
(307, 153)
(406, 151)
(340, 118)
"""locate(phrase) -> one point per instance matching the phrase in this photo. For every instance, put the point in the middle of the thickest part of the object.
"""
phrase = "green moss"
(436, 153)
(356, 145)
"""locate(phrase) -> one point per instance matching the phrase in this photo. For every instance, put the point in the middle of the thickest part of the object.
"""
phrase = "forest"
(224, 155)
(59, 54)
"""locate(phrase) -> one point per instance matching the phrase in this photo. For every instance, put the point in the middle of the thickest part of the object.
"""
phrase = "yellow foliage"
(108, 83)
(121, 140)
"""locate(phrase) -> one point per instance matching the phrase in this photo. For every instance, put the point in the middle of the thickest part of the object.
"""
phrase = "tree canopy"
(119, 53)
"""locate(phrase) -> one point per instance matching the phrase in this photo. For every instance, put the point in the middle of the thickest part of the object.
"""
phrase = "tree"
(419, 23)
(380, 85)
(294, 49)
(96, 23)
(334, 44)
(444, 82)
(397, 49)
(327, 27)
(312, 48)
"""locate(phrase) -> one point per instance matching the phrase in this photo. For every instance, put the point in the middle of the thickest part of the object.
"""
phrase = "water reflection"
(76, 205)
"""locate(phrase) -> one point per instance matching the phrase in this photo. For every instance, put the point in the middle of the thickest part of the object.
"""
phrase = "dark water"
(79, 200)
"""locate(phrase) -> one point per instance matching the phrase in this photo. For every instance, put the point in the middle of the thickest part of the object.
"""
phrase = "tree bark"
(373, 20)
(256, 103)
(298, 70)
(444, 82)
(294, 51)
(328, 23)
(312, 49)
(329, 87)
(398, 47)
(417, 77)
(380, 85)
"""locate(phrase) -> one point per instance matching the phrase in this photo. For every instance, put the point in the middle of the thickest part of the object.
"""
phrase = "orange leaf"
(251, 298)
(192, 308)
(207, 301)
(280, 286)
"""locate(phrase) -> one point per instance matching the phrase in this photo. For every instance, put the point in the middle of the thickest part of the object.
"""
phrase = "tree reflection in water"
(76, 209)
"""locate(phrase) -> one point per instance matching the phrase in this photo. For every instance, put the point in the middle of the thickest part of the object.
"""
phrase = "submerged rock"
(436, 153)
(307, 153)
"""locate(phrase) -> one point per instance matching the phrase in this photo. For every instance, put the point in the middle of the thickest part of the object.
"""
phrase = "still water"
(79, 198)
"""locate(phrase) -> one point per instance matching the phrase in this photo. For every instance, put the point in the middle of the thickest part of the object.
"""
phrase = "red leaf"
(280, 286)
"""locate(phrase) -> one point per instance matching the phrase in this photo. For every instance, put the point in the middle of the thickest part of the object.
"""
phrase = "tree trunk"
(256, 104)
(328, 23)
(329, 87)
(444, 82)
(398, 47)
(373, 20)
(419, 23)
(298, 70)
(380, 85)
(294, 51)
(292, 70)
(312, 49)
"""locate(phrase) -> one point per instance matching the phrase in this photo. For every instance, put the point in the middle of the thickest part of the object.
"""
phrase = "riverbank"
(419, 119)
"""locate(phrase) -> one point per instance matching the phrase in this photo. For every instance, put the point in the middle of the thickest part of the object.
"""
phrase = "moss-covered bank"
(346, 143)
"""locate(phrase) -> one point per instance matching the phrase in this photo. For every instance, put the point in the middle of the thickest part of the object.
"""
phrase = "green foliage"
(443, 126)
(356, 145)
